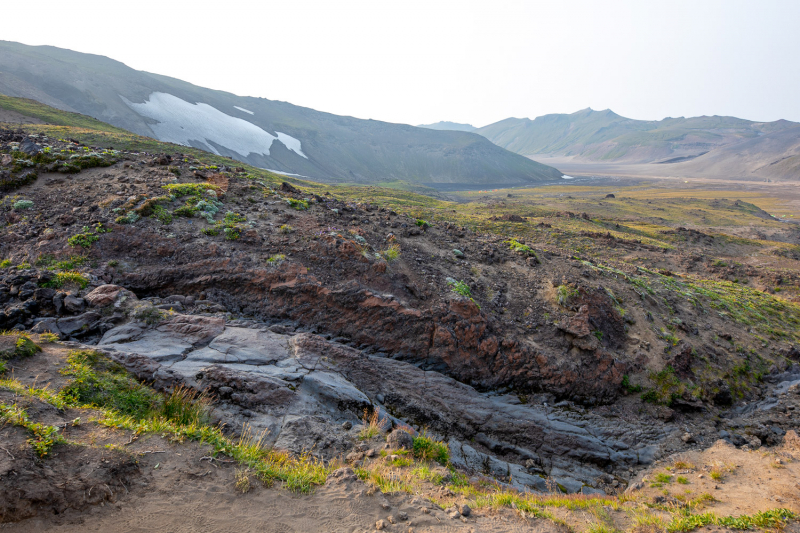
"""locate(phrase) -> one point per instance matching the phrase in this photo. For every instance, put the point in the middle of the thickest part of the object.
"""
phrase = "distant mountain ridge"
(265, 133)
(708, 145)
(448, 126)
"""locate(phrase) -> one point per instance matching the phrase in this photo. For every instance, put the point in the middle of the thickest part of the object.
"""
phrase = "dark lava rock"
(399, 439)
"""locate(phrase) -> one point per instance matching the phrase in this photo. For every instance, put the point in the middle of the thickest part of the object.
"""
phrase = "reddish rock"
(105, 295)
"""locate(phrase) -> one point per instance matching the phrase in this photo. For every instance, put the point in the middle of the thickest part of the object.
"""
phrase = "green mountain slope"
(264, 133)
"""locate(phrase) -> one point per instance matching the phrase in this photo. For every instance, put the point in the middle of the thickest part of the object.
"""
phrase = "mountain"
(448, 126)
(265, 133)
(715, 146)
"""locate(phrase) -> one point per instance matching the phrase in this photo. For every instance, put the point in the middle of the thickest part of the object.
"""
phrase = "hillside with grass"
(265, 133)
(192, 342)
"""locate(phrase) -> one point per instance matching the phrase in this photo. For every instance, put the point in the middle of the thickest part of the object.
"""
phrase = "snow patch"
(181, 122)
(565, 177)
(243, 109)
(291, 143)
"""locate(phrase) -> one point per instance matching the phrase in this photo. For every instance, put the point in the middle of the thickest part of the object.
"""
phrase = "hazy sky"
(423, 61)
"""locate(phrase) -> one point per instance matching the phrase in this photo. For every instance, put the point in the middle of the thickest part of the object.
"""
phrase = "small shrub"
(84, 239)
(564, 293)
(683, 480)
(243, 480)
(276, 260)
(286, 229)
(424, 224)
(663, 478)
(669, 337)
(149, 315)
(374, 425)
(48, 337)
(5, 263)
(391, 253)
(459, 287)
(130, 217)
(69, 278)
(187, 211)
(186, 406)
(162, 215)
(524, 249)
(20, 205)
(190, 189)
(211, 232)
(232, 233)
(650, 397)
(300, 205)
(627, 387)
(428, 449)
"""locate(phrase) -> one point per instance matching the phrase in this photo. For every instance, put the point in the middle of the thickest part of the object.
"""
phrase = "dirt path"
(187, 494)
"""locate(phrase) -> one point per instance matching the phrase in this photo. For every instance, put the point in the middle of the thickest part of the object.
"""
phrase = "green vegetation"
(67, 279)
(98, 382)
(162, 215)
(276, 260)
(23, 346)
(43, 437)
(565, 293)
(627, 387)
(459, 287)
(771, 519)
(391, 253)
(49, 115)
(49, 261)
(373, 424)
(124, 403)
(518, 247)
(20, 205)
(667, 387)
(130, 217)
(428, 449)
(179, 190)
(87, 237)
(300, 205)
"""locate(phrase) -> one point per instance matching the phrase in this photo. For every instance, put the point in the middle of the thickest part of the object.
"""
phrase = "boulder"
(29, 147)
(46, 325)
(400, 439)
(105, 295)
(73, 304)
(78, 324)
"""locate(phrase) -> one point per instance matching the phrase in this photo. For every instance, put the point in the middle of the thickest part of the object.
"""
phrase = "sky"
(477, 62)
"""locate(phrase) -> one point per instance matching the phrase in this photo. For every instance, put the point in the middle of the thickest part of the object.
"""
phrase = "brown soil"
(12, 117)
(752, 481)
